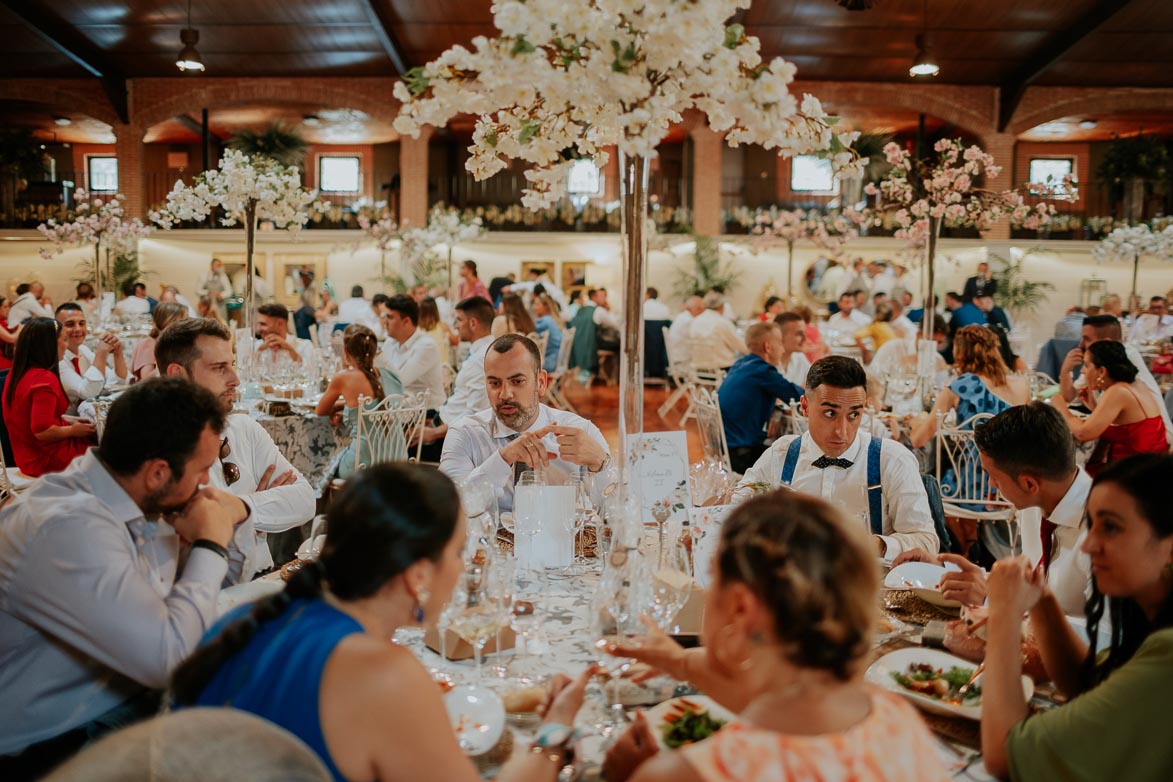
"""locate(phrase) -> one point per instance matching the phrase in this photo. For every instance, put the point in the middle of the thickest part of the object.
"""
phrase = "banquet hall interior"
(625, 332)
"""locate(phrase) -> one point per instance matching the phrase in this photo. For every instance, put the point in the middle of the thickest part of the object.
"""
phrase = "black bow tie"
(823, 462)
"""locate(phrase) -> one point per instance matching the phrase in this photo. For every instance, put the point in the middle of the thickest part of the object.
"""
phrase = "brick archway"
(84, 96)
(1043, 104)
(156, 100)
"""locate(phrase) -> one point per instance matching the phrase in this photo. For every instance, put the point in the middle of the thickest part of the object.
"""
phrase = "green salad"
(689, 723)
(939, 684)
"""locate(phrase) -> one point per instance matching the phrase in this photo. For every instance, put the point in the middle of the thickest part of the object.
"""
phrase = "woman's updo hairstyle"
(1112, 357)
(361, 344)
(813, 571)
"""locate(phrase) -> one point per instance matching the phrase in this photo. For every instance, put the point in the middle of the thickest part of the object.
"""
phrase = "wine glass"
(671, 585)
(527, 515)
(529, 588)
(476, 617)
(480, 507)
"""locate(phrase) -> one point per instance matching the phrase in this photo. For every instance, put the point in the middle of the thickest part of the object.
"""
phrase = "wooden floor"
(600, 405)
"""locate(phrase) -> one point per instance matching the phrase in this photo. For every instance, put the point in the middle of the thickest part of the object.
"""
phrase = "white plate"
(880, 674)
(657, 714)
(239, 594)
(922, 578)
(477, 716)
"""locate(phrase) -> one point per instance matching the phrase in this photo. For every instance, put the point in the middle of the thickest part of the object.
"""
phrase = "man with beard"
(519, 433)
(251, 466)
(95, 608)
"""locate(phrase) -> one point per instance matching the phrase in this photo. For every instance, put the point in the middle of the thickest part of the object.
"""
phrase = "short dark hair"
(953, 295)
(1030, 438)
(847, 293)
(782, 318)
(507, 342)
(478, 308)
(1107, 326)
(68, 305)
(1113, 357)
(128, 289)
(274, 309)
(138, 285)
(161, 418)
(836, 371)
(379, 298)
(1157, 298)
(653, 293)
(939, 325)
(356, 292)
(770, 302)
(591, 292)
(23, 288)
(406, 306)
(176, 344)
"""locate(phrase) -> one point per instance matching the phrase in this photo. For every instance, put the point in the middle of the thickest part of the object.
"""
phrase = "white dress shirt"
(305, 349)
(252, 450)
(904, 327)
(1151, 327)
(93, 604)
(133, 305)
(472, 452)
(607, 318)
(26, 306)
(679, 344)
(87, 384)
(796, 368)
(359, 310)
(468, 392)
(848, 324)
(654, 309)
(908, 523)
(1070, 573)
(713, 340)
(418, 363)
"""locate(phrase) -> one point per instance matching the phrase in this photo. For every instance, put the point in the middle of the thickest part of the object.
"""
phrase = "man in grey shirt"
(95, 608)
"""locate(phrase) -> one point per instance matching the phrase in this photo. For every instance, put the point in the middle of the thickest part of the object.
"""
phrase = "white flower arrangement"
(568, 78)
(246, 189)
(830, 231)
(97, 221)
(447, 227)
(1127, 243)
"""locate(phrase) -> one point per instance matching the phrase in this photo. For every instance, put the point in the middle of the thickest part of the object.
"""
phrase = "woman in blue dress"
(982, 386)
(317, 658)
(546, 320)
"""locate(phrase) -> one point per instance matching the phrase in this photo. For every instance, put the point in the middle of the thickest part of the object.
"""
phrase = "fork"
(969, 684)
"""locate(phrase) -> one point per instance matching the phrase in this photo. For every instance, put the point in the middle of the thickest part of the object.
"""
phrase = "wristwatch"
(603, 466)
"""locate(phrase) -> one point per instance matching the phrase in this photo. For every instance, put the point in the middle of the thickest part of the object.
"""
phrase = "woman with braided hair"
(359, 378)
(789, 623)
(317, 659)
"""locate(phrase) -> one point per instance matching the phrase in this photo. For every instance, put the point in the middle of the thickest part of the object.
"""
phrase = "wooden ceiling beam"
(195, 127)
(69, 41)
(382, 22)
(1014, 87)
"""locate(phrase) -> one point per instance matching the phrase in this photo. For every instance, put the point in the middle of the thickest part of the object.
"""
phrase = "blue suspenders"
(875, 490)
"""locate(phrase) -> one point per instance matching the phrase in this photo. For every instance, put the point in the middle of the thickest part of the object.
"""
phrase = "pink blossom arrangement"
(97, 221)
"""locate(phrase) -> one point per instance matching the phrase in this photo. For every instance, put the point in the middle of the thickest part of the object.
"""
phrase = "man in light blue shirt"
(95, 609)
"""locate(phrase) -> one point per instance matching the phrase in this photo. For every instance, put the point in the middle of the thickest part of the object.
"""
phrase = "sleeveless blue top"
(278, 675)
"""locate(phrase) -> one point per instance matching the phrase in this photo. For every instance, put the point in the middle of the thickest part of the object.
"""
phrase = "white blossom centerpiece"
(244, 190)
(446, 228)
(100, 222)
(566, 79)
(828, 231)
(1129, 243)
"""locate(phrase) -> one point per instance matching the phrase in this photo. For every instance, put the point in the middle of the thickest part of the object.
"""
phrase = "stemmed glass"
(621, 600)
(529, 587)
(480, 507)
(527, 516)
(671, 585)
(476, 616)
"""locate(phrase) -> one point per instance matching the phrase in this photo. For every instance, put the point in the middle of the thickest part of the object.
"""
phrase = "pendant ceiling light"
(856, 5)
(924, 64)
(189, 60)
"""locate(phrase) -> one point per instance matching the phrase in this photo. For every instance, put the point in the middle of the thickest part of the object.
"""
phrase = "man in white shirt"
(1156, 324)
(28, 304)
(250, 465)
(1030, 457)
(679, 340)
(84, 372)
(848, 319)
(1096, 328)
(474, 324)
(410, 353)
(654, 309)
(794, 364)
(518, 432)
(900, 357)
(134, 302)
(837, 461)
(97, 605)
(357, 309)
(273, 326)
(904, 328)
(607, 335)
(713, 340)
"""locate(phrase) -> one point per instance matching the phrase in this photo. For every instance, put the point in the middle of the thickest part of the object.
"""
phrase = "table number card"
(704, 525)
(661, 464)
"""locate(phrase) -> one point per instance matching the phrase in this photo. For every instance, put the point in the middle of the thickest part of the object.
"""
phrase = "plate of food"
(687, 720)
(923, 579)
(477, 716)
(934, 681)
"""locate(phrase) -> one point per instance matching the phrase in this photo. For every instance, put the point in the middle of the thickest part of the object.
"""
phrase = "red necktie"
(1048, 538)
(77, 364)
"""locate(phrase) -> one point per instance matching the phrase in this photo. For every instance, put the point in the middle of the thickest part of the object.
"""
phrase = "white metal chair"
(386, 430)
(702, 377)
(12, 481)
(678, 373)
(101, 412)
(449, 373)
(707, 410)
(556, 393)
(970, 495)
(793, 421)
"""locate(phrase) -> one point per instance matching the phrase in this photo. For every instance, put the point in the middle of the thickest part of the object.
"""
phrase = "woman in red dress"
(1125, 418)
(43, 441)
(7, 338)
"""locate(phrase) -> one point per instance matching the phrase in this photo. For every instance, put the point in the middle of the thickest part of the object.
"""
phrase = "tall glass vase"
(247, 367)
(633, 193)
(930, 269)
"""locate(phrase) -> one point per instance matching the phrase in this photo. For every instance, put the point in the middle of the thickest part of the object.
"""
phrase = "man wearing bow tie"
(875, 482)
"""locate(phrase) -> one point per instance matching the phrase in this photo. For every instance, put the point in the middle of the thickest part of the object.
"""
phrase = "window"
(812, 174)
(1050, 170)
(338, 174)
(102, 174)
(584, 178)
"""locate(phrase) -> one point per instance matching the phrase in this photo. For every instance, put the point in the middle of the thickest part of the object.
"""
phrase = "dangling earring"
(418, 611)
